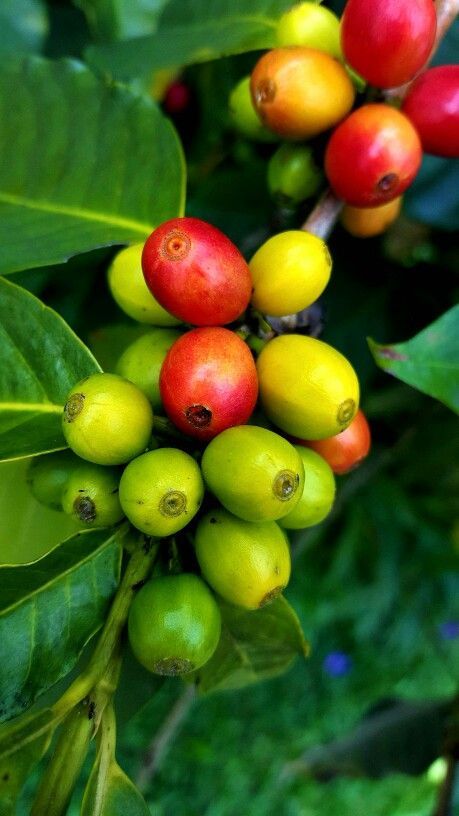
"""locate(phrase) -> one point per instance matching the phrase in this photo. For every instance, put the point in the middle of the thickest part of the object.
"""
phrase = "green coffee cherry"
(107, 420)
(161, 491)
(47, 476)
(141, 362)
(247, 564)
(174, 624)
(293, 175)
(310, 25)
(91, 495)
(244, 117)
(255, 473)
(128, 288)
(318, 492)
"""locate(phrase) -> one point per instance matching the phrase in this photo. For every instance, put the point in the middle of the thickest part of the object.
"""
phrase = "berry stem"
(322, 218)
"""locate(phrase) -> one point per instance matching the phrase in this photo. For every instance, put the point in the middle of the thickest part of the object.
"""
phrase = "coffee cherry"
(388, 41)
(128, 288)
(243, 115)
(366, 222)
(255, 473)
(310, 25)
(196, 272)
(289, 272)
(174, 624)
(47, 476)
(107, 420)
(161, 491)
(307, 388)
(300, 92)
(91, 495)
(208, 382)
(141, 362)
(373, 156)
(293, 175)
(247, 564)
(432, 105)
(177, 97)
(318, 493)
(346, 450)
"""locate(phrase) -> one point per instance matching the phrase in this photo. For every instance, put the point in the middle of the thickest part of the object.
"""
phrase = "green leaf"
(49, 610)
(108, 170)
(119, 19)
(253, 646)
(193, 32)
(15, 768)
(429, 361)
(23, 24)
(111, 793)
(41, 359)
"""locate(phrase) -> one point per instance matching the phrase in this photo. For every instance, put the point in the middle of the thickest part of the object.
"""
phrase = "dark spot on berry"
(265, 91)
(5, 777)
(73, 407)
(84, 509)
(213, 520)
(346, 412)
(199, 416)
(285, 485)
(173, 504)
(175, 246)
(387, 182)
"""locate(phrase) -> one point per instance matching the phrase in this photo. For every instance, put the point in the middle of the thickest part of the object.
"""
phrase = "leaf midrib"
(32, 407)
(77, 212)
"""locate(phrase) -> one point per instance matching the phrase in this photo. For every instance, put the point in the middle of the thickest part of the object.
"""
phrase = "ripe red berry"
(208, 382)
(345, 451)
(196, 272)
(388, 41)
(432, 105)
(373, 156)
(177, 98)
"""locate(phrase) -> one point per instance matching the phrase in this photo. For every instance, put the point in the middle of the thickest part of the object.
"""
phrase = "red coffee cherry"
(197, 271)
(432, 105)
(208, 382)
(388, 41)
(345, 451)
(177, 98)
(373, 156)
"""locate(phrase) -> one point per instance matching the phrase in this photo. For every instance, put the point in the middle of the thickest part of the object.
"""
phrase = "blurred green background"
(354, 729)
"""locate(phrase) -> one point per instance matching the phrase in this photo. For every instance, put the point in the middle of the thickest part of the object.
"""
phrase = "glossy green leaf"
(40, 361)
(23, 24)
(119, 19)
(111, 793)
(429, 361)
(108, 170)
(49, 610)
(253, 646)
(194, 32)
(15, 768)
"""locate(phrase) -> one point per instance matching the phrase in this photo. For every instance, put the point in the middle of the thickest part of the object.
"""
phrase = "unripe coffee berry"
(388, 41)
(208, 382)
(289, 272)
(91, 495)
(107, 420)
(243, 115)
(293, 175)
(300, 92)
(373, 156)
(310, 25)
(307, 388)
(174, 624)
(196, 272)
(246, 564)
(141, 362)
(432, 105)
(128, 288)
(255, 473)
(161, 491)
(318, 493)
(47, 476)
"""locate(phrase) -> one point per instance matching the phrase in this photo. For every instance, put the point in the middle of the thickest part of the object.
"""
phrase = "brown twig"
(161, 741)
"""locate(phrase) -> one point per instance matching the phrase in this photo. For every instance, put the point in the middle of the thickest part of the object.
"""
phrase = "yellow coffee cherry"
(365, 222)
(307, 388)
(289, 272)
(127, 286)
(311, 25)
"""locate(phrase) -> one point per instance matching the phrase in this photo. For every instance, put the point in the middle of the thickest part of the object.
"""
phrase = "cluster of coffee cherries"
(307, 86)
(196, 439)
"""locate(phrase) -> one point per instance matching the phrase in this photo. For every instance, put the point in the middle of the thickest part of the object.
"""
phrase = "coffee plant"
(208, 478)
